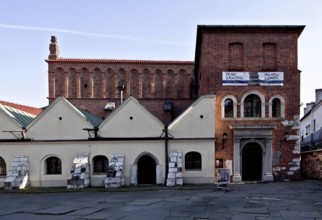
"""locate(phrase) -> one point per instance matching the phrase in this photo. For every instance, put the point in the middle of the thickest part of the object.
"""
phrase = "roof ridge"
(61, 59)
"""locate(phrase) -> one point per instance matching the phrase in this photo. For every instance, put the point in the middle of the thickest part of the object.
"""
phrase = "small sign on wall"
(223, 178)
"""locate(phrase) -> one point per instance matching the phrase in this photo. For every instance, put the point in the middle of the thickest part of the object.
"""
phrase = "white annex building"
(66, 146)
(311, 124)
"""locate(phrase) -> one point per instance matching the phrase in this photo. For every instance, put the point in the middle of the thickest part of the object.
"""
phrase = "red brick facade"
(252, 49)
(90, 84)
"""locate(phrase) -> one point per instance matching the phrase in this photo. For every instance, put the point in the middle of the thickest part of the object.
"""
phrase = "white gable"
(8, 123)
(60, 121)
(131, 120)
(198, 121)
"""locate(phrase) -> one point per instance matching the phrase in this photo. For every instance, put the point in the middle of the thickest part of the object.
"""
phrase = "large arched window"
(252, 106)
(3, 168)
(100, 164)
(53, 165)
(193, 161)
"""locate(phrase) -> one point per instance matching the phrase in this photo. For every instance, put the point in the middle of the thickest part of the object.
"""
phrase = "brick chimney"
(54, 49)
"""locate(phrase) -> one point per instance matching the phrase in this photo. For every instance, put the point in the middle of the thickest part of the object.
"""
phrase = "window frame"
(223, 110)
(100, 158)
(3, 167)
(282, 107)
(195, 162)
(57, 166)
(262, 104)
(252, 106)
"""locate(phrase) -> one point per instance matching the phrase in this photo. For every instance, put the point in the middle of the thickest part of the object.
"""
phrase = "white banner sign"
(252, 78)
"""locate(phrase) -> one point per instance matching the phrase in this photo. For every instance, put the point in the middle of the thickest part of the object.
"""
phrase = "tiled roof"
(80, 60)
(21, 117)
(24, 108)
(93, 119)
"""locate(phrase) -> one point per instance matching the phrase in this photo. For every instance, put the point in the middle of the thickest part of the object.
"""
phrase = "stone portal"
(253, 153)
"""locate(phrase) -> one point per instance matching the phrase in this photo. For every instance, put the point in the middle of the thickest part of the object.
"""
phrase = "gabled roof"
(22, 118)
(61, 120)
(93, 119)
(89, 117)
(130, 120)
(24, 108)
(314, 108)
(197, 121)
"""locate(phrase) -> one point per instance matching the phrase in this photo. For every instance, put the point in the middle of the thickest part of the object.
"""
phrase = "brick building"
(252, 70)
(93, 83)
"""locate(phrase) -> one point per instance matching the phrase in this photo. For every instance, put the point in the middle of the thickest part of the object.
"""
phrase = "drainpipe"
(166, 142)
(122, 88)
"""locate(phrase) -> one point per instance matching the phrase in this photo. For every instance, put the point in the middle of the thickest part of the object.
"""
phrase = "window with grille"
(53, 165)
(3, 169)
(100, 164)
(193, 161)
(252, 106)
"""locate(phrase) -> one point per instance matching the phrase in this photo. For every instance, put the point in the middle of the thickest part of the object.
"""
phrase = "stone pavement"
(275, 200)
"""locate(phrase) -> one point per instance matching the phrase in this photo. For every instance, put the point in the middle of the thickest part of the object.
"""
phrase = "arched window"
(53, 165)
(193, 161)
(252, 106)
(3, 169)
(229, 108)
(276, 108)
(100, 164)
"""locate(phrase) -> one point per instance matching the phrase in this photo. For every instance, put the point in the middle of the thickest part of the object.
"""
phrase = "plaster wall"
(59, 123)
(207, 151)
(131, 120)
(38, 152)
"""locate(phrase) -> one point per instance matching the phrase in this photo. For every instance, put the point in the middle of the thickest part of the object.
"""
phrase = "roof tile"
(24, 108)
(83, 60)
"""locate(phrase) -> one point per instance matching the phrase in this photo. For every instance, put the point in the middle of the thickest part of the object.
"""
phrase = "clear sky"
(136, 29)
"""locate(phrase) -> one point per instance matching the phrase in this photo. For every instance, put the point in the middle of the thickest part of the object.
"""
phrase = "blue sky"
(140, 29)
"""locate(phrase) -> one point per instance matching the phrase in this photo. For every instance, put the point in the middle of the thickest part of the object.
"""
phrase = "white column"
(134, 175)
(236, 176)
(268, 164)
(159, 179)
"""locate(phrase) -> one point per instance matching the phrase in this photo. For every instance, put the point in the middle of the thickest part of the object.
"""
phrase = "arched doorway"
(146, 170)
(252, 162)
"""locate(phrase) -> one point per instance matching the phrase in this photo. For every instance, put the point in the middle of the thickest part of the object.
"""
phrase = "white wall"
(39, 151)
(60, 122)
(131, 120)
(207, 150)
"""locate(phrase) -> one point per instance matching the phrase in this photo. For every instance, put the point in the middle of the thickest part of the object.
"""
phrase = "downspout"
(166, 142)
(122, 88)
